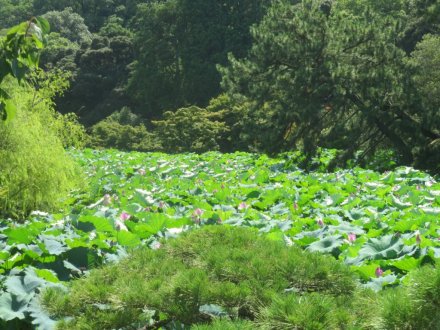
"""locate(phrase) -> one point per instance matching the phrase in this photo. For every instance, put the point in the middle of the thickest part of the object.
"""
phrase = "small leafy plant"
(20, 52)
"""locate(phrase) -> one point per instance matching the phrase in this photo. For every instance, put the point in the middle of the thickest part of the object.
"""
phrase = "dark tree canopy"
(180, 42)
(356, 75)
(330, 74)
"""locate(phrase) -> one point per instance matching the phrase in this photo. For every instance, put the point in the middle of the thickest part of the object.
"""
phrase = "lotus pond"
(383, 225)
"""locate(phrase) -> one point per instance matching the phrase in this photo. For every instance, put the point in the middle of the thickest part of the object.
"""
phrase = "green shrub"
(215, 271)
(122, 130)
(313, 311)
(70, 131)
(224, 324)
(232, 114)
(35, 171)
(40, 98)
(416, 305)
(190, 129)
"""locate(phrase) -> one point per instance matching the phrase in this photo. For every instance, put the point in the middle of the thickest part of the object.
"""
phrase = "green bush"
(416, 305)
(35, 171)
(222, 271)
(122, 130)
(223, 324)
(191, 129)
(221, 277)
(232, 114)
(46, 87)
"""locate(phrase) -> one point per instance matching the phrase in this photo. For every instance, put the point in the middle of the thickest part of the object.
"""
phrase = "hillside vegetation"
(219, 164)
(260, 76)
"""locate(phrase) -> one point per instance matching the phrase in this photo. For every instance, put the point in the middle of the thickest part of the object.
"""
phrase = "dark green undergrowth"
(221, 277)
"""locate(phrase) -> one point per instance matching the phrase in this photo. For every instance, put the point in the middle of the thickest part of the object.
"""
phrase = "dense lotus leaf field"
(382, 225)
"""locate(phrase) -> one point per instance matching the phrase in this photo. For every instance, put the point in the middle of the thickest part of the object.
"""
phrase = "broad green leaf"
(100, 224)
(213, 311)
(377, 284)
(127, 239)
(345, 228)
(53, 246)
(12, 307)
(19, 235)
(386, 247)
(366, 271)
(406, 263)
(7, 110)
(24, 286)
(47, 275)
(276, 236)
(431, 210)
(399, 204)
(328, 244)
(40, 317)
(43, 24)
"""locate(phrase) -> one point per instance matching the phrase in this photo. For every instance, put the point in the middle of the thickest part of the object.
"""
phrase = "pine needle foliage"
(233, 270)
(417, 304)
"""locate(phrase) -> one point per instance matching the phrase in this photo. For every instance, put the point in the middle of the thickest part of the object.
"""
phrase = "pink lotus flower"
(125, 216)
(196, 216)
(320, 222)
(107, 200)
(351, 237)
(141, 171)
(198, 212)
(156, 245)
(378, 272)
(242, 206)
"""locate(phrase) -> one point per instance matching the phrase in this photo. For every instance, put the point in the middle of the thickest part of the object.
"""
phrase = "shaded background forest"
(258, 75)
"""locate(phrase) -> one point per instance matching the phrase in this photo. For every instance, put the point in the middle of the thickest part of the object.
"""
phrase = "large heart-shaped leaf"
(386, 247)
(328, 244)
(377, 284)
(12, 307)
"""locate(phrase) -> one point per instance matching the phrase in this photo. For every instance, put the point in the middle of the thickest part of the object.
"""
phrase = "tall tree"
(156, 78)
(423, 17)
(324, 73)
(14, 12)
(180, 43)
(424, 65)
(209, 30)
(69, 25)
